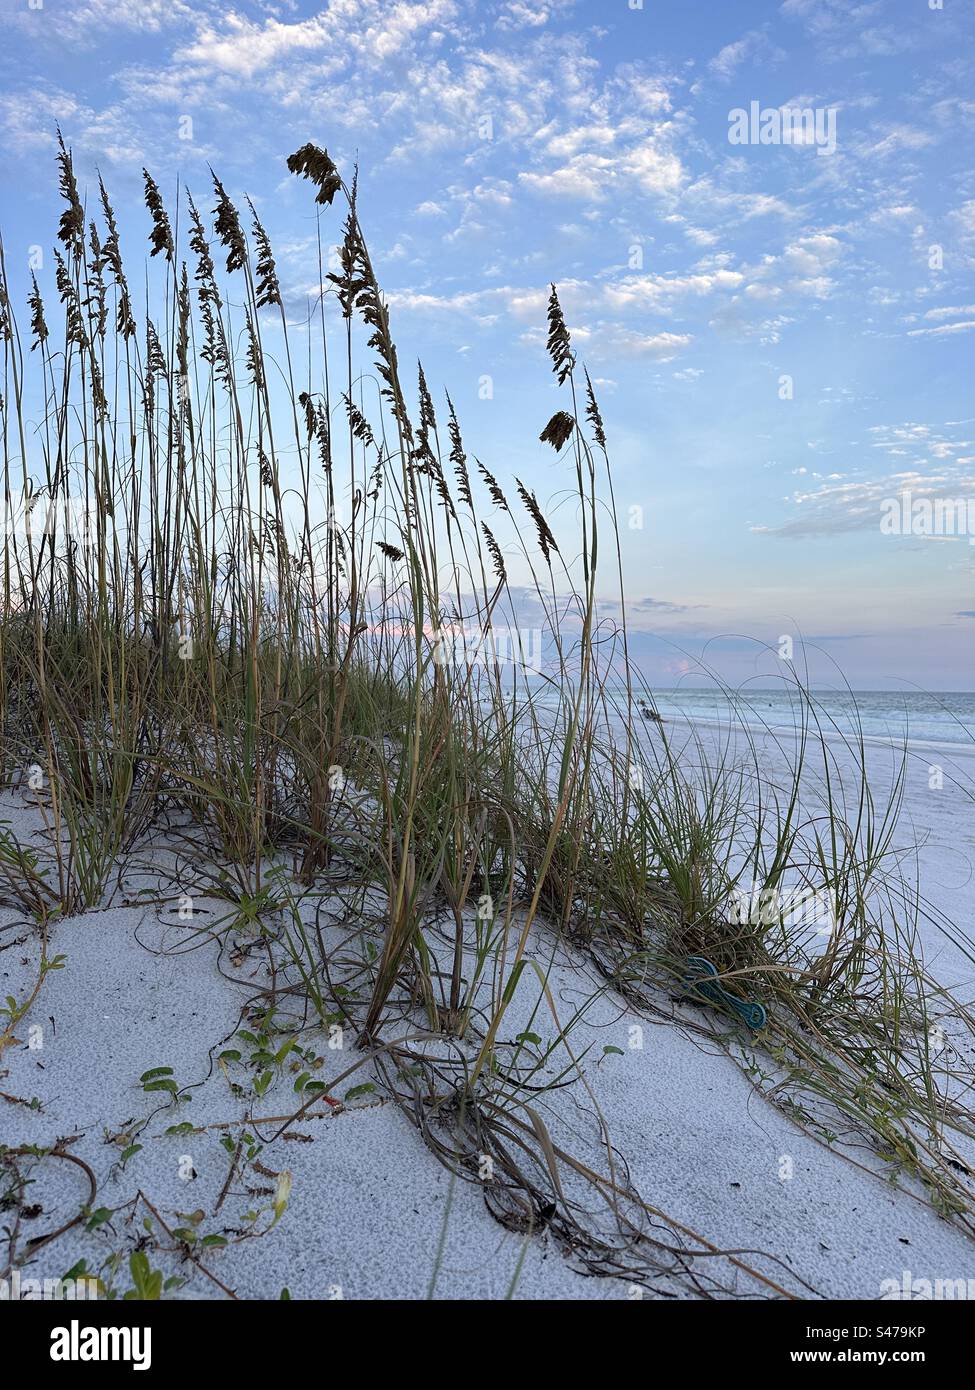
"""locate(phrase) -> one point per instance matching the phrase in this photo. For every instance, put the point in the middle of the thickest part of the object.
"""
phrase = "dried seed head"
(375, 479)
(458, 458)
(359, 424)
(308, 406)
(558, 430)
(96, 302)
(227, 227)
(183, 324)
(559, 343)
(594, 417)
(423, 453)
(72, 227)
(315, 164)
(495, 552)
(161, 237)
(255, 359)
(324, 436)
(111, 256)
(546, 540)
(267, 290)
(74, 322)
(497, 496)
(206, 271)
(38, 324)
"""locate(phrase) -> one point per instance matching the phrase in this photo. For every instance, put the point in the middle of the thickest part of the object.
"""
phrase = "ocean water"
(921, 718)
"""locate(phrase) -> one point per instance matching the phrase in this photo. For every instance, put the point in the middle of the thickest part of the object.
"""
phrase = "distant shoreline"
(769, 730)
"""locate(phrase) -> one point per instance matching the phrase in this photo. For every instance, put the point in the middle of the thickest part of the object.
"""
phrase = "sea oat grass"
(244, 649)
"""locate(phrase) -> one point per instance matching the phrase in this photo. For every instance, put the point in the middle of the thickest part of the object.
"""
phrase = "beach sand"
(371, 1213)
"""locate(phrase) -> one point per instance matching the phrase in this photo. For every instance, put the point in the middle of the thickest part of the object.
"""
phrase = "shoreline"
(850, 739)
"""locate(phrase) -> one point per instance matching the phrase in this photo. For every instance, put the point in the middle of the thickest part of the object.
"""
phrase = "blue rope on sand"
(702, 977)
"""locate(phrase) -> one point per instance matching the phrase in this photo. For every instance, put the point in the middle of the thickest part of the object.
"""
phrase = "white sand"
(370, 1204)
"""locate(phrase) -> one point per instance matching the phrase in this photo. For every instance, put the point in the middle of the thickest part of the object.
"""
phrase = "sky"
(780, 332)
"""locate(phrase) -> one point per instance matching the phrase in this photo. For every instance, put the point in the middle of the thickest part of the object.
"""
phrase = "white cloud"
(653, 291)
(942, 331)
(241, 47)
(802, 268)
(374, 32)
(754, 44)
(599, 312)
(708, 198)
(614, 340)
(84, 23)
(594, 177)
(948, 313)
(893, 140)
(813, 254)
(848, 30)
(838, 508)
(531, 14)
(585, 177)
(730, 57)
(108, 134)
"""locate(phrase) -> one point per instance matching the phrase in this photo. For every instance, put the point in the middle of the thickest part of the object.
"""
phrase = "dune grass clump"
(236, 608)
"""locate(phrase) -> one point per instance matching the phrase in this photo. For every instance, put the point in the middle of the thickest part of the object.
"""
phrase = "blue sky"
(506, 145)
